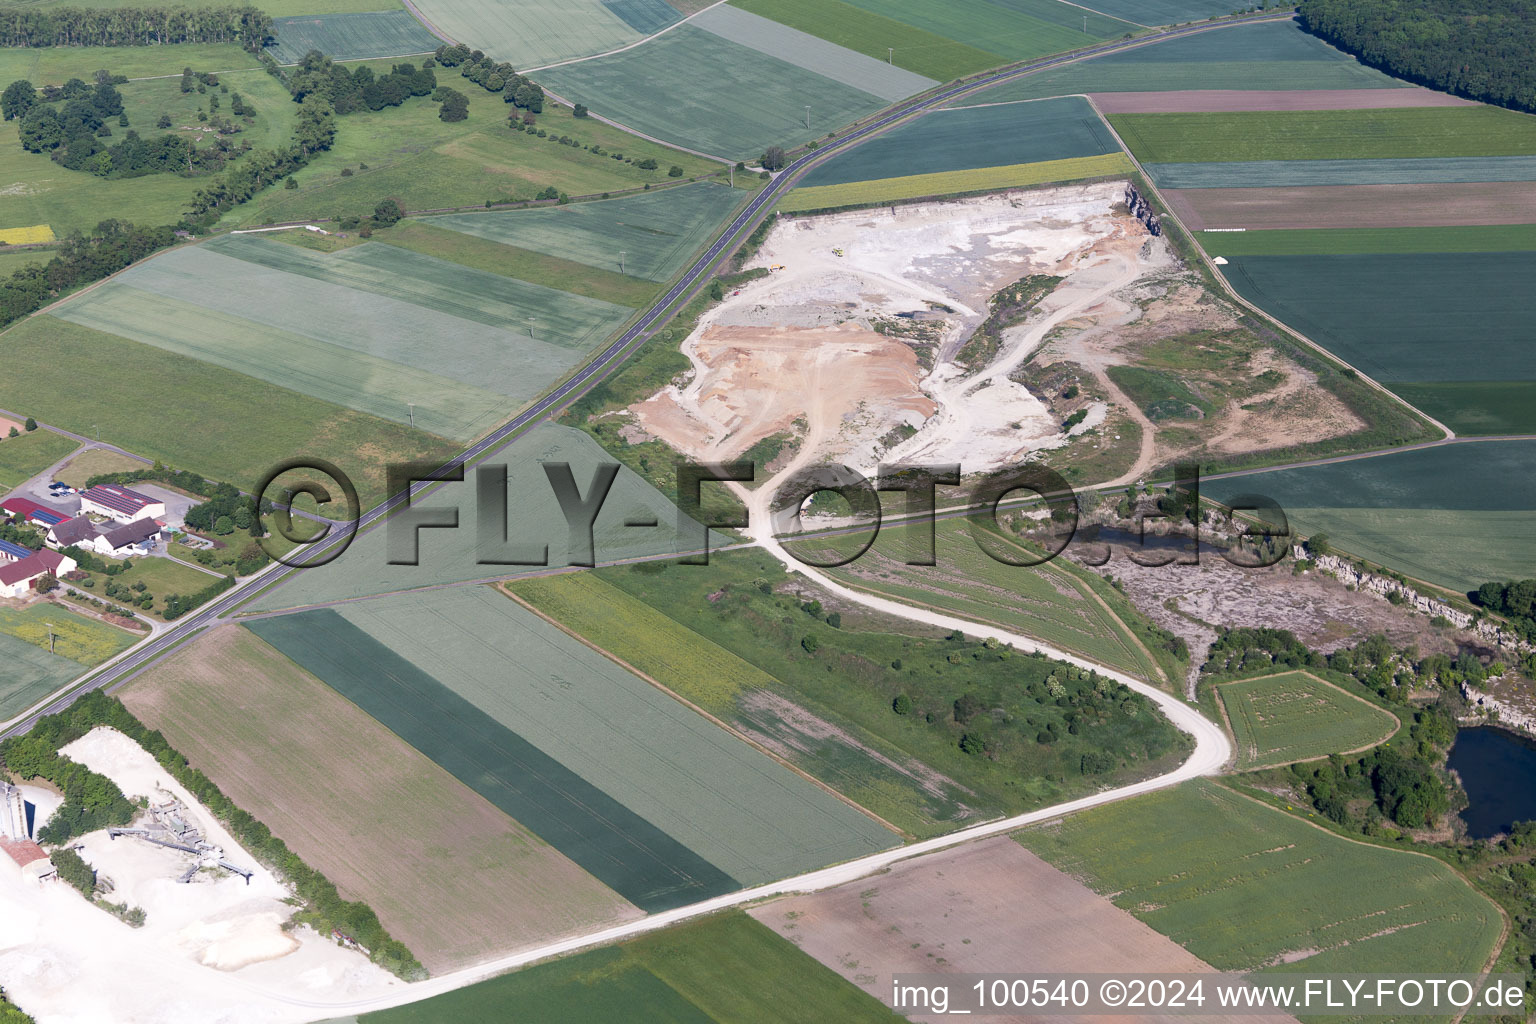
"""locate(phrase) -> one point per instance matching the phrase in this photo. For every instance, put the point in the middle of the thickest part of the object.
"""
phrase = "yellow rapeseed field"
(26, 236)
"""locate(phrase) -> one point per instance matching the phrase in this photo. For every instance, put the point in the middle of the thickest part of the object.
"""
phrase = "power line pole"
(807, 117)
(412, 407)
(1085, 24)
(621, 251)
(890, 55)
(531, 321)
(50, 637)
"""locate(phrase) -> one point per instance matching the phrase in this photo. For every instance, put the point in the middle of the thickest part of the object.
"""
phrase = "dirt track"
(1439, 204)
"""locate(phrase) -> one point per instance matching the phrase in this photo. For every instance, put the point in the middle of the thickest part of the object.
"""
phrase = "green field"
(276, 8)
(1048, 602)
(697, 90)
(1012, 29)
(658, 232)
(350, 36)
(452, 555)
(161, 577)
(1457, 515)
(54, 65)
(1267, 55)
(1362, 241)
(917, 186)
(31, 672)
(728, 969)
(39, 191)
(23, 457)
(1422, 320)
(957, 140)
(1246, 887)
(1327, 134)
(811, 53)
(1284, 172)
(523, 264)
(428, 164)
(201, 413)
(1295, 716)
(372, 328)
(860, 765)
(926, 53)
(678, 807)
(1162, 12)
(857, 665)
(12, 260)
(537, 32)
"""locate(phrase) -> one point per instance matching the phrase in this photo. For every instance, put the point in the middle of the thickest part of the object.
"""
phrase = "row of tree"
(1479, 49)
(135, 26)
(492, 76)
(1516, 599)
(323, 907)
(360, 88)
(80, 259)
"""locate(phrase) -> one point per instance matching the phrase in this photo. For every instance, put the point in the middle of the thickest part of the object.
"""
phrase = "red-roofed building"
(16, 578)
(29, 857)
(120, 503)
(26, 508)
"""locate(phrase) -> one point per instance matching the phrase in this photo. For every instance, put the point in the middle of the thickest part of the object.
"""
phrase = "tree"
(902, 705)
(224, 526)
(455, 105)
(773, 158)
(31, 424)
(188, 81)
(164, 122)
(18, 98)
(41, 129)
(972, 744)
(14, 432)
(388, 212)
(580, 111)
(47, 583)
(1317, 545)
(290, 182)
(810, 643)
(674, 171)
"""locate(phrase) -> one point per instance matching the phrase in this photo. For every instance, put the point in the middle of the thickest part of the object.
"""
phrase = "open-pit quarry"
(980, 331)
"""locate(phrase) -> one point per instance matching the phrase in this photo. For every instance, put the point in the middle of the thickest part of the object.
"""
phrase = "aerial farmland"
(763, 510)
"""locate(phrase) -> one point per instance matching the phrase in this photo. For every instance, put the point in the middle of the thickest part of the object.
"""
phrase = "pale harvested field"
(984, 907)
(1211, 101)
(1444, 204)
(449, 875)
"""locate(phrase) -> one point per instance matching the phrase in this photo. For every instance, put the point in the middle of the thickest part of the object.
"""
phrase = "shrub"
(902, 705)
(674, 171)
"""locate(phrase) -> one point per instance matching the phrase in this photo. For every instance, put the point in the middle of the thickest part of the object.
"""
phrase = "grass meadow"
(191, 414)
(429, 164)
(977, 137)
(1327, 134)
(83, 640)
(985, 179)
(23, 457)
(94, 461)
(1014, 29)
(31, 674)
(1295, 716)
(727, 969)
(1222, 875)
(342, 791)
(276, 8)
(39, 191)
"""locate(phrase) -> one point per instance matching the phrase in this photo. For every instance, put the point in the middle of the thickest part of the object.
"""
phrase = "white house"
(18, 578)
(120, 503)
(137, 538)
(79, 531)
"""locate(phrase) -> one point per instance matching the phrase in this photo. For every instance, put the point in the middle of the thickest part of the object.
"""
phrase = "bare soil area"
(1212, 101)
(981, 332)
(1437, 204)
(990, 906)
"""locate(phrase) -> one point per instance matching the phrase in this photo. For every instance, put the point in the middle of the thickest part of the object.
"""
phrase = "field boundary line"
(628, 46)
(1222, 701)
(1232, 293)
(1100, 13)
(903, 834)
(1498, 946)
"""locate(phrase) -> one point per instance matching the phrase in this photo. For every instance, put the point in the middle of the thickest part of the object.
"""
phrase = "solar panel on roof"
(16, 551)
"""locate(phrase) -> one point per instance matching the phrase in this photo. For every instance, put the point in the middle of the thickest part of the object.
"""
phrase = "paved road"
(607, 360)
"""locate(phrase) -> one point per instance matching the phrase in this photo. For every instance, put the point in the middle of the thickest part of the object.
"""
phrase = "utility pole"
(50, 637)
(1085, 24)
(621, 251)
(890, 55)
(412, 406)
(807, 117)
(531, 321)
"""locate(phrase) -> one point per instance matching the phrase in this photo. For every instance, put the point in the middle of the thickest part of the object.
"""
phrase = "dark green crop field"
(1363, 241)
(1327, 134)
(958, 140)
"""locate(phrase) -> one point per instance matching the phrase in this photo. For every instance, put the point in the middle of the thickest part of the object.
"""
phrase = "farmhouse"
(136, 538)
(120, 503)
(16, 578)
(30, 511)
(77, 531)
